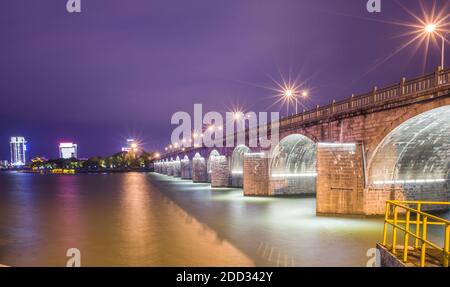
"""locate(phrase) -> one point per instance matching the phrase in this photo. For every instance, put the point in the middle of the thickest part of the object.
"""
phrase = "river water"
(140, 219)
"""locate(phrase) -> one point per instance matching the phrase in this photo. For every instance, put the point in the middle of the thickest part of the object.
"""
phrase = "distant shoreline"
(73, 172)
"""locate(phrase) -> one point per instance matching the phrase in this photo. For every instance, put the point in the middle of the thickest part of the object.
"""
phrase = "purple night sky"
(121, 68)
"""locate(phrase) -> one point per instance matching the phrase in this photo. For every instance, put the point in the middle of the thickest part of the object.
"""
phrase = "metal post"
(416, 244)
(424, 244)
(386, 218)
(394, 232)
(406, 244)
(446, 245)
(443, 47)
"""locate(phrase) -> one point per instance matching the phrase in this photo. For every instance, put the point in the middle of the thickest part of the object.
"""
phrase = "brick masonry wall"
(186, 169)
(340, 180)
(375, 197)
(256, 175)
(220, 172)
(199, 172)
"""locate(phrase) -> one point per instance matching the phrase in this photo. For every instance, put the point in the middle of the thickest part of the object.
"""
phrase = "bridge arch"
(237, 158)
(237, 165)
(294, 155)
(413, 160)
(403, 116)
(212, 154)
(209, 161)
(292, 166)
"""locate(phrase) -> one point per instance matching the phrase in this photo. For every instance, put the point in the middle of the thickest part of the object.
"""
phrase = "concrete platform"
(432, 258)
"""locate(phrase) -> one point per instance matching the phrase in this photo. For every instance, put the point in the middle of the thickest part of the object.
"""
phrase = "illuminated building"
(4, 164)
(18, 149)
(67, 150)
(132, 146)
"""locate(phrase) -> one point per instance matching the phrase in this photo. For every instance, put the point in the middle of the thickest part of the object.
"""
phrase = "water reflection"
(114, 220)
(278, 231)
(136, 219)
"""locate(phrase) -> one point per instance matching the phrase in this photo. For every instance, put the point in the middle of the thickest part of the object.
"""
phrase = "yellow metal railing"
(395, 209)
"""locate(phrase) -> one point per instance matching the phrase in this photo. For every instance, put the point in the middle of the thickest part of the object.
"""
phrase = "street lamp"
(432, 29)
(237, 115)
(292, 94)
(289, 94)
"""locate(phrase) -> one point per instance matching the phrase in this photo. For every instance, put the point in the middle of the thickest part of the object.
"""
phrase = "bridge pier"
(166, 168)
(186, 168)
(220, 172)
(257, 179)
(170, 168)
(177, 167)
(199, 169)
(340, 179)
(256, 175)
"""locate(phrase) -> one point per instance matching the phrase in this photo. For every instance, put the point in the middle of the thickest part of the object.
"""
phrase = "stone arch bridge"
(390, 143)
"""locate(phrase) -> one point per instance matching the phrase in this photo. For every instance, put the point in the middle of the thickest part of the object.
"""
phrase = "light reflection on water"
(137, 219)
(278, 231)
(115, 220)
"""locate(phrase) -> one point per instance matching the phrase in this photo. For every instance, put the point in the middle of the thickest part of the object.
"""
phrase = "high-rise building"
(18, 147)
(67, 150)
(132, 146)
(3, 164)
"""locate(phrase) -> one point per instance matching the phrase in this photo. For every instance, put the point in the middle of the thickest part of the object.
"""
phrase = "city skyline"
(229, 66)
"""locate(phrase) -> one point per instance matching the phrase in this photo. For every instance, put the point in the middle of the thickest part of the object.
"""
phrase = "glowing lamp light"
(288, 93)
(304, 94)
(430, 28)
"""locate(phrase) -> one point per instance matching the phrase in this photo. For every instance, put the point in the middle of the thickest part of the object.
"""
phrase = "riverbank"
(78, 171)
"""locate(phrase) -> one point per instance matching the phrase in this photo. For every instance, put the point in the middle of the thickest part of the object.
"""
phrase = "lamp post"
(304, 95)
(432, 29)
(288, 94)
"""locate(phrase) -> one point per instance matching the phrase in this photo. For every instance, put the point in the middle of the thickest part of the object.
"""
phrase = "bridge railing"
(377, 96)
(416, 229)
